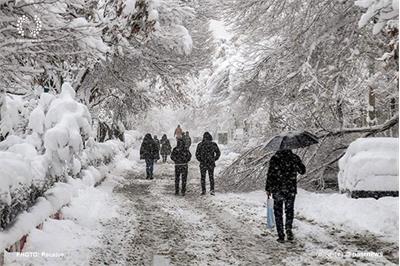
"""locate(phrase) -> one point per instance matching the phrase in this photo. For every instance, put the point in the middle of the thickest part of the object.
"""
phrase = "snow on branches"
(59, 125)
(75, 35)
(383, 12)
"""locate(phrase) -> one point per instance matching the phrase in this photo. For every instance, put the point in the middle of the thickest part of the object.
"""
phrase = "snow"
(69, 241)
(379, 217)
(52, 201)
(88, 215)
(15, 172)
(153, 15)
(386, 11)
(129, 7)
(67, 123)
(37, 120)
(52, 150)
(370, 164)
(186, 39)
(219, 30)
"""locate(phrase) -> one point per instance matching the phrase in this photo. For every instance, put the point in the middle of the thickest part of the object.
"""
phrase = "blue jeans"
(149, 168)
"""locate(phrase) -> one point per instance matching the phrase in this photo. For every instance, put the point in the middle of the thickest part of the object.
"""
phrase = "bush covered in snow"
(52, 148)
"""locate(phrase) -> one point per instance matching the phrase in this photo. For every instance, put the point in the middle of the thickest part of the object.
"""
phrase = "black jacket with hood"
(207, 151)
(180, 154)
(148, 149)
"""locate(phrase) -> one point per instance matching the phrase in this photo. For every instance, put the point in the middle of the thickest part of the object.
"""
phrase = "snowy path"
(158, 227)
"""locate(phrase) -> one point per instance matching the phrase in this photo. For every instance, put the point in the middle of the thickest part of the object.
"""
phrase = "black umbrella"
(291, 140)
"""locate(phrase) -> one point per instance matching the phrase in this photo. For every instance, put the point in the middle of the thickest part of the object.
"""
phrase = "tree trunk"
(371, 112)
(394, 132)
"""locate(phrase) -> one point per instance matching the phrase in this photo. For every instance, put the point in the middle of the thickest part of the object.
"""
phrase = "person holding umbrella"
(282, 177)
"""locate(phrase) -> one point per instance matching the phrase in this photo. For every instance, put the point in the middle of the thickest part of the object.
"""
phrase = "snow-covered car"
(370, 168)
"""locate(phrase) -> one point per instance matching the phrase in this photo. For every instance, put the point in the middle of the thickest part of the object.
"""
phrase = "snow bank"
(71, 241)
(370, 164)
(58, 196)
(380, 216)
(47, 205)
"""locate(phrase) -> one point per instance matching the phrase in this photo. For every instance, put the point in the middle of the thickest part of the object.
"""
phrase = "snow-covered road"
(155, 227)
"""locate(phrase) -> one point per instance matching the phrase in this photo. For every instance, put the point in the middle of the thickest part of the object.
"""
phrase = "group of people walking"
(207, 153)
(281, 182)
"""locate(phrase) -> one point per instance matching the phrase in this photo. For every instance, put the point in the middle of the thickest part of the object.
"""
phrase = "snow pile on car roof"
(370, 164)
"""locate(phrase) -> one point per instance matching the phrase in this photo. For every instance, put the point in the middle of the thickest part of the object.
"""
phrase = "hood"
(180, 144)
(207, 137)
(147, 137)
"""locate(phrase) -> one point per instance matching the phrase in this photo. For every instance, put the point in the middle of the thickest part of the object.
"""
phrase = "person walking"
(157, 142)
(187, 140)
(181, 156)
(178, 132)
(148, 152)
(207, 152)
(282, 185)
(165, 148)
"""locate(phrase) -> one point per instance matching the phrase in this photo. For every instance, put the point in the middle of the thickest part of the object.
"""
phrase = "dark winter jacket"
(207, 151)
(282, 172)
(148, 149)
(157, 142)
(187, 140)
(180, 154)
(165, 146)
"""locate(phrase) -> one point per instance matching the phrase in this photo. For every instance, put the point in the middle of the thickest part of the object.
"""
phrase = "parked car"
(370, 168)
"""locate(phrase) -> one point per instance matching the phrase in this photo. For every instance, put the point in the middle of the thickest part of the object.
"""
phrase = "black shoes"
(211, 193)
(183, 193)
(290, 236)
(176, 193)
(281, 240)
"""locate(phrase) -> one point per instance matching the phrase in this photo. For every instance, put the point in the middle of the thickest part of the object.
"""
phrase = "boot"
(289, 234)
(281, 237)
(212, 192)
